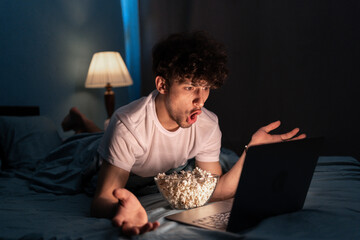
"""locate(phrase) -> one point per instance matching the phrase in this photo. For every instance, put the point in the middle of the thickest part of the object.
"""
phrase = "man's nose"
(199, 99)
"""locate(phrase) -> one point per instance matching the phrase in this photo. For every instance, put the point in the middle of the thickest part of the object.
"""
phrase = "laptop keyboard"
(217, 221)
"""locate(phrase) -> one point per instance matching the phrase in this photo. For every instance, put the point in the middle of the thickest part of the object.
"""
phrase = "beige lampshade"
(107, 67)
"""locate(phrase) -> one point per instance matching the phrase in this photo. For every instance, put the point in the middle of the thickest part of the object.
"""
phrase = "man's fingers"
(146, 228)
(268, 128)
(129, 230)
(150, 226)
(155, 225)
(289, 135)
(301, 136)
(135, 230)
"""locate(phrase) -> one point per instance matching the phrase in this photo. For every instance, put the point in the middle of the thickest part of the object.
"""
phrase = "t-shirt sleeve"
(118, 146)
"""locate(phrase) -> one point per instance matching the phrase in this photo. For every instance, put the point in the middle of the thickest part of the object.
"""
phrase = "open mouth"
(193, 117)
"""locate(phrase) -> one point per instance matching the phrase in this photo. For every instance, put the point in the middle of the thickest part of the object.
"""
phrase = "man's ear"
(160, 84)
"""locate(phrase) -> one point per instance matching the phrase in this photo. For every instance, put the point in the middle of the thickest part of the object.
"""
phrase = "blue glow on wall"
(130, 13)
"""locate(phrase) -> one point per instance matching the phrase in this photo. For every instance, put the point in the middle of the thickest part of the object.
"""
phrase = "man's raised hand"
(263, 136)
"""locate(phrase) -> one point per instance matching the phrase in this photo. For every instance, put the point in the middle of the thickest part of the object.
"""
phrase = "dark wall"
(45, 51)
(294, 61)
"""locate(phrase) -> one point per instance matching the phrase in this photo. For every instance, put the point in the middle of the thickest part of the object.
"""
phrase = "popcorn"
(187, 189)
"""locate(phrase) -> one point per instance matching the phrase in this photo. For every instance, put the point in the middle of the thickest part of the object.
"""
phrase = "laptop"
(275, 180)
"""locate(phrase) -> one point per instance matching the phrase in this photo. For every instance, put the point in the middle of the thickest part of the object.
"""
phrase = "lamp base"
(109, 97)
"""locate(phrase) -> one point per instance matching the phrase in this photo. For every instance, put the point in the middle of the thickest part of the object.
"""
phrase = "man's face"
(184, 101)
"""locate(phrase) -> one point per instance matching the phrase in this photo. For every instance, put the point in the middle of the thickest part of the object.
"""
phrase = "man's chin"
(186, 124)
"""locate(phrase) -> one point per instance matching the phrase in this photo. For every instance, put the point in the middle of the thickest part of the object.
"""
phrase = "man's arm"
(104, 204)
(227, 184)
(113, 201)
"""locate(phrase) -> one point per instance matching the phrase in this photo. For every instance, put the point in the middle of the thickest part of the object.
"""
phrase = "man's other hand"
(131, 215)
(263, 136)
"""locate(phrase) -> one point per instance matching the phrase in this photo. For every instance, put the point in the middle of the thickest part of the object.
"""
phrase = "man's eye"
(189, 88)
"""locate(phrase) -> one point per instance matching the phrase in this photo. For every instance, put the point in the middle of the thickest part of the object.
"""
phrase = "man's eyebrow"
(200, 85)
(197, 83)
(191, 83)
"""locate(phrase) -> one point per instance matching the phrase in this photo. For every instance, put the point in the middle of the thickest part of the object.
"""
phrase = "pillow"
(26, 140)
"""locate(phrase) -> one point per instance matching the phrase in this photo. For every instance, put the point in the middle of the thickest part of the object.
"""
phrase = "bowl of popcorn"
(187, 189)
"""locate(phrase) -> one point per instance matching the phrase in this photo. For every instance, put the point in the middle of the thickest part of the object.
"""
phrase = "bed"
(46, 186)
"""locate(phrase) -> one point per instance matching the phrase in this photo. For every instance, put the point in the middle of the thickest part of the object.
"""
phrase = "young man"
(162, 131)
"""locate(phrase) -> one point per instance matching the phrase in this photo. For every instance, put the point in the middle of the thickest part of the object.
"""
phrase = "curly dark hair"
(193, 56)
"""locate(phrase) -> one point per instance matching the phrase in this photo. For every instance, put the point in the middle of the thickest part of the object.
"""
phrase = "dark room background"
(294, 61)
(46, 48)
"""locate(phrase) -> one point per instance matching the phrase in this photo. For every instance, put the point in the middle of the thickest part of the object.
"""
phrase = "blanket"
(47, 195)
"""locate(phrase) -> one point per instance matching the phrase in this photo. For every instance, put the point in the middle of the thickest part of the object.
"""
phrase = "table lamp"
(107, 69)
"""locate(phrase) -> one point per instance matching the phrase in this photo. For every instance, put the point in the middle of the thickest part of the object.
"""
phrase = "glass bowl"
(186, 190)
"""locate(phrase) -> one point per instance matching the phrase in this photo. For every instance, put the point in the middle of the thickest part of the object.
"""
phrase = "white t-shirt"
(136, 141)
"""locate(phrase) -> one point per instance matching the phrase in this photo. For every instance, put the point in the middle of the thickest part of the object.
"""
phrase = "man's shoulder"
(136, 111)
(129, 121)
(207, 122)
(208, 117)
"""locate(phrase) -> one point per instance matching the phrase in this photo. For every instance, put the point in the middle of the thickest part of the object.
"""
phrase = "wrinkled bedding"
(51, 199)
